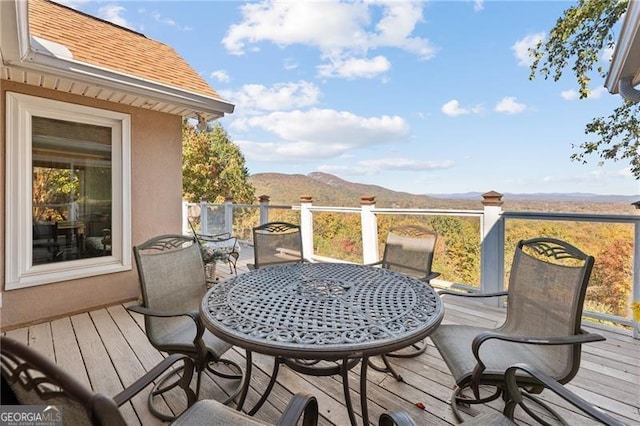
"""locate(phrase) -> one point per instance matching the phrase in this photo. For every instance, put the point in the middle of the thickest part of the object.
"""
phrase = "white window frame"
(19, 269)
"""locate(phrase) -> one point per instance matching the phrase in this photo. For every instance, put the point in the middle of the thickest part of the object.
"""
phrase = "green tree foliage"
(577, 41)
(213, 167)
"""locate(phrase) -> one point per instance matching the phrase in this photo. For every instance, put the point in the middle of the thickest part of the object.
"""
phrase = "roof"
(624, 72)
(109, 56)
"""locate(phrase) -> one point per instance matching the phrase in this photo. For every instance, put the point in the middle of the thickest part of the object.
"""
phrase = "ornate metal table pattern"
(303, 313)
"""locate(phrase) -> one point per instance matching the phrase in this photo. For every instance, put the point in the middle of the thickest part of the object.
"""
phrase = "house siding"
(156, 195)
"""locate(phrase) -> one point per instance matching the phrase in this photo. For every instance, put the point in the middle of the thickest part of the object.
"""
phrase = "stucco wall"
(156, 196)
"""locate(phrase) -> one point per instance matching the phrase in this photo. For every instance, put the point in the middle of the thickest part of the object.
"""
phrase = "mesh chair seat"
(180, 339)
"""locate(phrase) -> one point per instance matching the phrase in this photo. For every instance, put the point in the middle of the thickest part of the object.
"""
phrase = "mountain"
(329, 190)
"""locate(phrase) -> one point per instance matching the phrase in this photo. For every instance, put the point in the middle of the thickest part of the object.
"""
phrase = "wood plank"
(126, 364)
(40, 339)
(67, 352)
(102, 374)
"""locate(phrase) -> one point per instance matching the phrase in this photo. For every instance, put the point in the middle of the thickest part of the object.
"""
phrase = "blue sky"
(422, 97)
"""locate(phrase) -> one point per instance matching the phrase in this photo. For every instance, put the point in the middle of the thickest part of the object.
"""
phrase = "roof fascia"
(625, 63)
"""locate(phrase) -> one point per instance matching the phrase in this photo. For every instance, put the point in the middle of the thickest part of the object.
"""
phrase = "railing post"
(306, 226)
(635, 290)
(204, 216)
(264, 209)
(492, 247)
(185, 218)
(369, 223)
(228, 215)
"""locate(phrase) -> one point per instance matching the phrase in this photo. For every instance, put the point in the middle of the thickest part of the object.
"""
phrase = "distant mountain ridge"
(329, 190)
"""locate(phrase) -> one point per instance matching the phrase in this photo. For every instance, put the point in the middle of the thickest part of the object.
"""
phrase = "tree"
(578, 39)
(213, 167)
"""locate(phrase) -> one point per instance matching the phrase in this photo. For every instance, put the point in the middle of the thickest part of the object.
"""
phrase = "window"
(67, 194)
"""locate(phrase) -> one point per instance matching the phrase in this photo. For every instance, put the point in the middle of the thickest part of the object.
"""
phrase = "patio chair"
(29, 378)
(408, 250)
(45, 243)
(276, 243)
(514, 398)
(224, 243)
(547, 286)
(173, 283)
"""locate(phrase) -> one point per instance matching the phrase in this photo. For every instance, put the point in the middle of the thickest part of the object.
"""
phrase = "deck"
(107, 349)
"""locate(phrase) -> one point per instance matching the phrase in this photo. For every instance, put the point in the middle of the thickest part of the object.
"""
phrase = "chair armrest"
(156, 372)
(459, 293)
(379, 262)
(395, 418)
(300, 406)
(549, 383)
(194, 315)
(583, 337)
(163, 314)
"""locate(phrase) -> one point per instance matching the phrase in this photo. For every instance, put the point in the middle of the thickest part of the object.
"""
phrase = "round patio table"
(307, 313)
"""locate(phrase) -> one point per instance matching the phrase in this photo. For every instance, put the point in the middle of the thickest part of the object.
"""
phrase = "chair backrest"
(172, 279)
(409, 250)
(277, 243)
(547, 287)
(35, 380)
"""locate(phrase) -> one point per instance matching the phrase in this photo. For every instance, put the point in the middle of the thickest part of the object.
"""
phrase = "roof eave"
(91, 74)
(625, 64)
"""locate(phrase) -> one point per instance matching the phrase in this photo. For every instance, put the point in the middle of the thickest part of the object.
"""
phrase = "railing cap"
(306, 198)
(263, 198)
(367, 200)
(492, 198)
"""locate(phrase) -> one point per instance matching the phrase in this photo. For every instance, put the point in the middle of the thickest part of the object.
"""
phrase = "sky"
(422, 97)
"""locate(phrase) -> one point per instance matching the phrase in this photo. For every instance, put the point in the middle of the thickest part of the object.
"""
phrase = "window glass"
(71, 190)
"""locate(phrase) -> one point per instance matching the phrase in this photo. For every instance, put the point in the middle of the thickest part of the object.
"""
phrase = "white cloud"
(521, 48)
(290, 64)
(343, 41)
(221, 75)
(113, 13)
(607, 54)
(478, 5)
(571, 94)
(453, 109)
(280, 96)
(371, 167)
(509, 105)
(352, 68)
(317, 133)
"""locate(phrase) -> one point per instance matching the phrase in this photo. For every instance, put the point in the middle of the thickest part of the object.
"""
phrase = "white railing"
(492, 233)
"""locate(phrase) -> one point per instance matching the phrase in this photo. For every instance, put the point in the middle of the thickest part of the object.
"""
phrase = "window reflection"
(71, 187)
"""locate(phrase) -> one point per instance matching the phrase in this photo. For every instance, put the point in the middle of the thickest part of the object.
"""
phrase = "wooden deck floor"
(107, 349)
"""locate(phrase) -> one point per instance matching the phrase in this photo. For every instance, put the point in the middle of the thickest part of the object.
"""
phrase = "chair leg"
(237, 375)
(457, 399)
(160, 388)
(388, 368)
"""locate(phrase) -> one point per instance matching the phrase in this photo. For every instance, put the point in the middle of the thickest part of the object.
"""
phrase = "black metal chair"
(276, 243)
(224, 243)
(545, 297)
(514, 399)
(409, 250)
(45, 246)
(29, 378)
(173, 283)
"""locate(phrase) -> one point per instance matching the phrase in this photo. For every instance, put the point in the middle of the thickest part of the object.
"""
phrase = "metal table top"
(323, 311)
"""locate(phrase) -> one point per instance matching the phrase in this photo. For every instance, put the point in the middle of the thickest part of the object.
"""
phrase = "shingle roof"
(110, 46)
